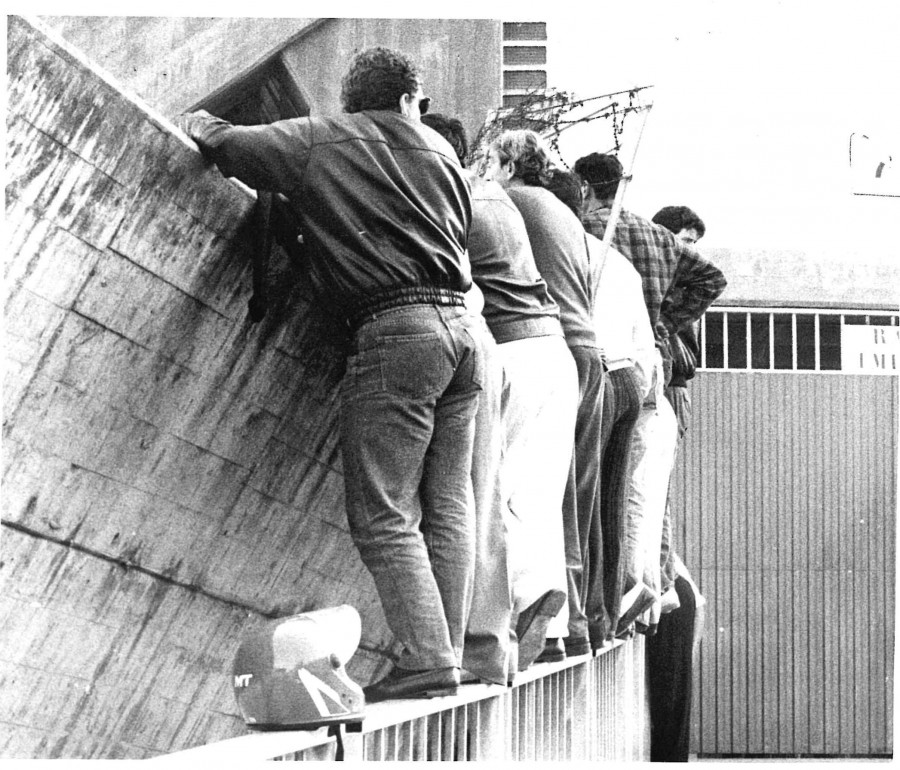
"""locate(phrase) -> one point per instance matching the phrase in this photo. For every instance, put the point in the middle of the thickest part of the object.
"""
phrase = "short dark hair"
(376, 80)
(567, 187)
(601, 172)
(528, 154)
(452, 130)
(678, 218)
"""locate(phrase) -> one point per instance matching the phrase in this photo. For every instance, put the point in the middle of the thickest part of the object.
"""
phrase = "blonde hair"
(528, 154)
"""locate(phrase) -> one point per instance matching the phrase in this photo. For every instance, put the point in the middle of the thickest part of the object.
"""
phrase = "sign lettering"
(870, 349)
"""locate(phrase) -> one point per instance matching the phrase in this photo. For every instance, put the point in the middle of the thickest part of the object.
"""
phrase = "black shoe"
(644, 629)
(554, 652)
(531, 627)
(600, 634)
(401, 683)
(577, 645)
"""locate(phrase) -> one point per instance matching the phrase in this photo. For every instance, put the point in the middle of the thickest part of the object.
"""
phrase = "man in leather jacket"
(385, 211)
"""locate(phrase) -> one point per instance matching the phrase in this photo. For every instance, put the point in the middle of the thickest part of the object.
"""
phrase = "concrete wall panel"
(170, 471)
(174, 62)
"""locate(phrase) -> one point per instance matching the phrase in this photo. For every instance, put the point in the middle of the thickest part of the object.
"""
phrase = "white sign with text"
(870, 349)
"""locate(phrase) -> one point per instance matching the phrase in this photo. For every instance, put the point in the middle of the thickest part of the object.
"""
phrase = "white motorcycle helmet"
(290, 675)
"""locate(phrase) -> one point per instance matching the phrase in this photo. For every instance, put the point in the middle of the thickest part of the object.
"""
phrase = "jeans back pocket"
(413, 365)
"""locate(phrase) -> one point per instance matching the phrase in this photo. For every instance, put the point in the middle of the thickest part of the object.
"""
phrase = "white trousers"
(539, 421)
(652, 458)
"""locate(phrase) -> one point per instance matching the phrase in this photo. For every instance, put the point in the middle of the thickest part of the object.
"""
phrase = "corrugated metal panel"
(785, 500)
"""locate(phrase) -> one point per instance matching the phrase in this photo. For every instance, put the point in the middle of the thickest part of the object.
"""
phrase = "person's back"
(382, 201)
(537, 415)
(517, 302)
(648, 247)
(385, 210)
(560, 253)
(520, 161)
(664, 261)
(620, 316)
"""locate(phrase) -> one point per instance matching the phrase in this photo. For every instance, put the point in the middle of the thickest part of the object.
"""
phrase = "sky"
(752, 113)
(754, 103)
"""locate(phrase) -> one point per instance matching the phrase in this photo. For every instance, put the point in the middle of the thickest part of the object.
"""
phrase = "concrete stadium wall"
(172, 62)
(175, 62)
(170, 472)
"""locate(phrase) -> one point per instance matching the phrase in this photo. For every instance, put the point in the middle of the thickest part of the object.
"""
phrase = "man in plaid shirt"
(664, 261)
(670, 269)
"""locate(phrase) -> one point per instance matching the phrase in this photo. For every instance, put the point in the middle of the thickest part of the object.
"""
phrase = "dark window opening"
(528, 30)
(524, 54)
(784, 347)
(737, 340)
(264, 96)
(806, 341)
(830, 342)
(759, 340)
(715, 350)
(781, 341)
(511, 100)
(522, 79)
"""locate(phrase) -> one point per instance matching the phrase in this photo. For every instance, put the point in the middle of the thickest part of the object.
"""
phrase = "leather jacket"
(382, 200)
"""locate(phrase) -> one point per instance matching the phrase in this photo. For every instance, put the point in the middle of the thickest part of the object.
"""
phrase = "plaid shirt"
(664, 263)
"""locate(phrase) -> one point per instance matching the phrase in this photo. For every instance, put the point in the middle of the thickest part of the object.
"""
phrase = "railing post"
(488, 731)
(581, 711)
(354, 746)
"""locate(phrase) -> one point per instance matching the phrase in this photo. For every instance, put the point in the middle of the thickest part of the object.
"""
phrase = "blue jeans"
(408, 404)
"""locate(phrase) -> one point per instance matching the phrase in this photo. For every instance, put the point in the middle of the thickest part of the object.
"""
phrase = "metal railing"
(585, 708)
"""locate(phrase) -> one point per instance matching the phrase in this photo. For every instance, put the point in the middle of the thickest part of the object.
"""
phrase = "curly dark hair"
(528, 154)
(601, 172)
(567, 187)
(376, 80)
(678, 218)
(452, 130)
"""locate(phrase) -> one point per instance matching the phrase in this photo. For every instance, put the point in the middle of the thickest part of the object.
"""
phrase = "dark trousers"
(670, 676)
(621, 406)
(581, 502)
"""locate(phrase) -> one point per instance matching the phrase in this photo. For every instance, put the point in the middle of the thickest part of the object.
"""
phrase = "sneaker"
(670, 601)
(531, 626)
(634, 602)
(402, 683)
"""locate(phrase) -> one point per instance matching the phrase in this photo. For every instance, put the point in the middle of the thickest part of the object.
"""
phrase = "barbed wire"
(544, 111)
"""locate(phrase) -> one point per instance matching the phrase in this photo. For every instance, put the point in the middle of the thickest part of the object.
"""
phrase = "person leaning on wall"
(665, 264)
(623, 331)
(385, 210)
(520, 162)
(540, 399)
(671, 653)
